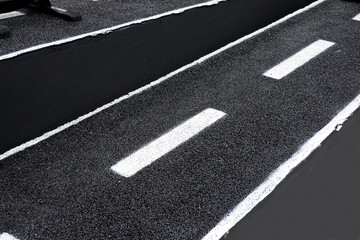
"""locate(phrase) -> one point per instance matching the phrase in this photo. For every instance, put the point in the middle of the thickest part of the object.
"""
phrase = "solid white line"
(299, 59)
(148, 154)
(6, 236)
(357, 17)
(152, 84)
(11, 15)
(264, 189)
(108, 30)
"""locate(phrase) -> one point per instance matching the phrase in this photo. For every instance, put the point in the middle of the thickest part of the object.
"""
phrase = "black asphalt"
(62, 188)
(319, 200)
(29, 30)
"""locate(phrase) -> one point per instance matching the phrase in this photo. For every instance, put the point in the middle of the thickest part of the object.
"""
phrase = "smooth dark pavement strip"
(63, 188)
(319, 200)
(29, 32)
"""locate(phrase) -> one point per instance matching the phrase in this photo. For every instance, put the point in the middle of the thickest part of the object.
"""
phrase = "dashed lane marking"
(11, 15)
(6, 236)
(299, 59)
(143, 157)
(357, 17)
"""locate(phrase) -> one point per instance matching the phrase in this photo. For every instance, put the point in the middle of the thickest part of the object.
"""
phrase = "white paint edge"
(135, 162)
(150, 85)
(298, 59)
(6, 236)
(264, 189)
(11, 15)
(357, 17)
(107, 30)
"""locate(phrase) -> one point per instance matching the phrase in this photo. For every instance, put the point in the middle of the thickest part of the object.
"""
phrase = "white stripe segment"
(6, 236)
(143, 157)
(11, 15)
(299, 59)
(265, 188)
(357, 17)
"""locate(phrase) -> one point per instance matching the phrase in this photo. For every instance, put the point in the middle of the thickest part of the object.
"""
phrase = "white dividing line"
(11, 15)
(292, 63)
(357, 17)
(264, 189)
(108, 30)
(152, 84)
(6, 236)
(148, 154)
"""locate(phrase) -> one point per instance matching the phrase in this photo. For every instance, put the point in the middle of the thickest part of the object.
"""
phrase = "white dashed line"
(143, 157)
(357, 17)
(264, 189)
(299, 59)
(11, 15)
(6, 236)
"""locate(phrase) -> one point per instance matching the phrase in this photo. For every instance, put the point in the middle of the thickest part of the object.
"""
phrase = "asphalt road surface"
(39, 88)
(172, 160)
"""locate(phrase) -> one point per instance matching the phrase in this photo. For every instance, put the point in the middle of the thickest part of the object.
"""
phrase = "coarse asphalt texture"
(62, 188)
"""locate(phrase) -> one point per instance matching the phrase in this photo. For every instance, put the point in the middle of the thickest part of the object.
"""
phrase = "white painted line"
(11, 15)
(299, 59)
(148, 154)
(6, 236)
(108, 30)
(152, 84)
(357, 17)
(264, 189)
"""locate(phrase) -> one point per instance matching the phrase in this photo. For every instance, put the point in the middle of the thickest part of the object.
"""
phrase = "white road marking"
(11, 15)
(146, 155)
(6, 236)
(299, 59)
(357, 17)
(264, 189)
(150, 85)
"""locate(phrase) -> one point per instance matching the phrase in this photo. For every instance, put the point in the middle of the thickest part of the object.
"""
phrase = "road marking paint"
(357, 17)
(265, 188)
(11, 15)
(150, 85)
(154, 150)
(299, 59)
(6, 236)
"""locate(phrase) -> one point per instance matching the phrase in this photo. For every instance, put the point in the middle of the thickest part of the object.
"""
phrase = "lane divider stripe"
(357, 17)
(6, 236)
(11, 15)
(143, 157)
(299, 59)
